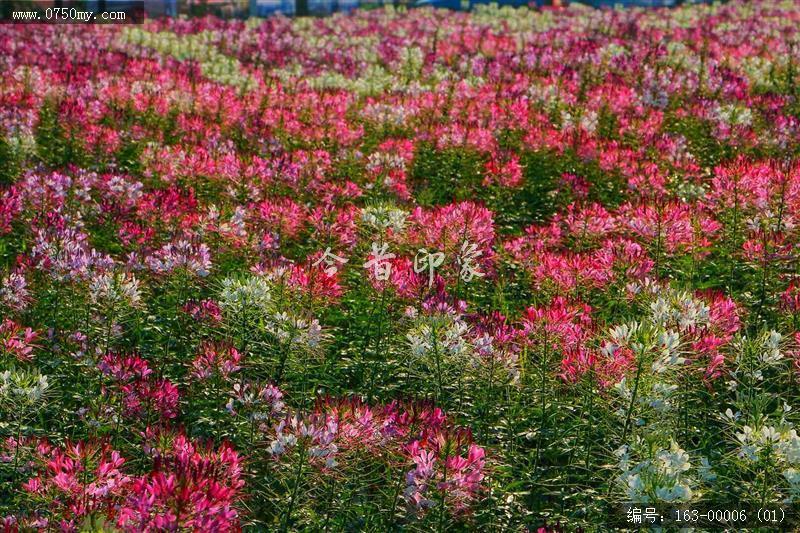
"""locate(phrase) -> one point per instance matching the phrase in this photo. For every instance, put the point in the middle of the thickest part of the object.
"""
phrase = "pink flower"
(204, 310)
(192, 487)
(139, 390)
(16, 341)
(215, 359)
(182, 254)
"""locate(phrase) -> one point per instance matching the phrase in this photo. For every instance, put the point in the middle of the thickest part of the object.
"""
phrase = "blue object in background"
(265, 8)
(328, 7)
(155, 8)
(320, 7)
(171, 8)
(446, 4)
(466, 5)
(347, 6)
(630, 3)
(512, 3)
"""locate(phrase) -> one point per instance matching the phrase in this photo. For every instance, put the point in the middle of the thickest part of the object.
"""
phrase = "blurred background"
(264, 8)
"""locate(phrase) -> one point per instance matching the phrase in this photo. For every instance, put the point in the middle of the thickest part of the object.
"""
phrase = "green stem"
(295, 490)
(438, 360)
(590, 420)
(639, 365)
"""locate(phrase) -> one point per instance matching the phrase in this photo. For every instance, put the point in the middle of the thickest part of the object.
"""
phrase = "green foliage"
(441, 176)
(56, 144)
(9, 162)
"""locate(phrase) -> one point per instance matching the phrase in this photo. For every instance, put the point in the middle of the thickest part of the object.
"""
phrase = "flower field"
(422, 270)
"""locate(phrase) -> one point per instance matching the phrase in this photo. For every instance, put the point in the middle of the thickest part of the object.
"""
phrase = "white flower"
(661, 395)
(675, 460)
(772, 349)
(792, 476)
(622, 334)
(622, 389)
(636, 489)
(314, 336)
(705, 470)
(729, 414)
(251, 293)
(789, 447)
(748, 451)
(114, 289)
(419, 339)
(769, 434)
(660, 311)
(668, 341)
(624, 457)
(23, 392)
(681, 493)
